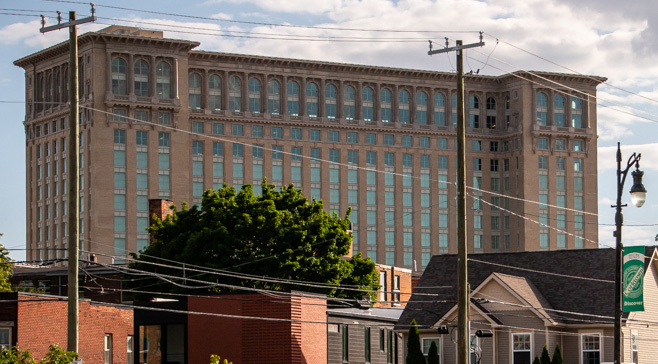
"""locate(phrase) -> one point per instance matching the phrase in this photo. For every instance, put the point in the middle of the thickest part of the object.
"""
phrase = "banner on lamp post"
(633, 274)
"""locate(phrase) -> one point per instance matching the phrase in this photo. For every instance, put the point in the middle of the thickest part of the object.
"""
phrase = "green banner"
(633, 279)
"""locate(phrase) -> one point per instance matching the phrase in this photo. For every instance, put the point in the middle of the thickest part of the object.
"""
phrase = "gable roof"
(579, 281)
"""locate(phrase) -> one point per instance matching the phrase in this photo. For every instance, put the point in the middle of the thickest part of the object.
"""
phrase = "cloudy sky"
(594, 37)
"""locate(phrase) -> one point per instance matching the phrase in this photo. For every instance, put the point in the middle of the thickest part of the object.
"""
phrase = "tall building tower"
(160, 120)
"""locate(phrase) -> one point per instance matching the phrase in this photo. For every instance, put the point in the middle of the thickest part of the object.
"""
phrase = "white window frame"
(512, 350)
(130, 349)
(438, 346)
(107, 346)
(635, 344)
(580, 344)
(9, 330)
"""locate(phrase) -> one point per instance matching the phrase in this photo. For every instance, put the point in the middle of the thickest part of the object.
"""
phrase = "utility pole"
(74, 166)
(463, 349)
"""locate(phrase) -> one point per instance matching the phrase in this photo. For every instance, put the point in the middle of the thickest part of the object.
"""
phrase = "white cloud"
(647, 162)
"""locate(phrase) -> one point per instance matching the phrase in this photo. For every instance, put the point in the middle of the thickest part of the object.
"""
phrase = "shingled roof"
(560, 289)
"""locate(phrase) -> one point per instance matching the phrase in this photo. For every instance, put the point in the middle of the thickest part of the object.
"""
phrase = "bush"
(55, 355)
(557, 355)
(545, 357)
(215, 359)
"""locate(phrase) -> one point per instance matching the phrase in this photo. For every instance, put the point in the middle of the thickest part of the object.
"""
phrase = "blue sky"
(596, 37)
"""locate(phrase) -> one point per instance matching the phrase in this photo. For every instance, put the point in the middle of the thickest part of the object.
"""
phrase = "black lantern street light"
(638, 196)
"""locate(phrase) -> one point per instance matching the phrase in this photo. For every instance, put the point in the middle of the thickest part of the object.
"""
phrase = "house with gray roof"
(529, 300)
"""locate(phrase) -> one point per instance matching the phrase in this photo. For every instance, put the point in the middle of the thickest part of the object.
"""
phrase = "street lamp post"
(638, 196)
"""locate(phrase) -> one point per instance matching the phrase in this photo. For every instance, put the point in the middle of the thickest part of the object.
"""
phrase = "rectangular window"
(119, 136)
(424, 142)
(424, 161)
(277, 132)
(371, 139)
(163, 139)
(277, 152)
(407, 160)
(296, 153)
(315, 154)
(296, 133)
(108, 348)
(197, 127)
(237, 130)
(197, 147)
(371, 157)
(238, 150)
(543, 162)
(542, 143)
(218, 128)
(389, 139)
(477, 164)
(407, 141)
(591, 348)
(521, 348)
(352, 137)
(334, 136)
(345, 342)
(389, 159)
(366, 340)
(314, 135)
(442, 143)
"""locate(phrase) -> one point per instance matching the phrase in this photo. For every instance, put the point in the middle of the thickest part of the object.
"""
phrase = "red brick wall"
(208, 335)
(247, 341)
(41, 323)
(314, 336)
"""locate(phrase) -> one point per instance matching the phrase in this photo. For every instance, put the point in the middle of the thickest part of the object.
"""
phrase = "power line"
(263, 23)
(570, 69)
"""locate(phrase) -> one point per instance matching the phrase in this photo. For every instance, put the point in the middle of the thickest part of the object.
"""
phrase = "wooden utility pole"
(73, 175)
(463, 349)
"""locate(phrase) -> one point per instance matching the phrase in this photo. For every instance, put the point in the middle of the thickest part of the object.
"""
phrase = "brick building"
(162, 120)
(243, 328)
(34, 321)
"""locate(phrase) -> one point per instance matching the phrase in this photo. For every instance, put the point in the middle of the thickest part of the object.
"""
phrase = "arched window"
(330, 101)
(141, 78)
(474, 112)
(508, 112)
(385, 105)
(235, 94)
(254, 95)
(558, 110)
(541, 109)
(119, 77)
(163, 80)
(491, 113)
(421, 108)
(403, 106)
(273, 97)
(349, 103)
(453, 108)
(312, 100)
(439, 109)
(194, 89)
(293, 98)
(367, 104)
(215, 92)
(576, 112)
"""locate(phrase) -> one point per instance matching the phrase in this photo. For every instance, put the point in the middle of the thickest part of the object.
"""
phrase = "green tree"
(557, 355)
(433, 354)
(536, 361)
(277, 235)
(414, 352)
(6, 269)
(545, 357)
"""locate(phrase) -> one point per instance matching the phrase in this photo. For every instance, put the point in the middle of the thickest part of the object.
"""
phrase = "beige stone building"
(162, 120)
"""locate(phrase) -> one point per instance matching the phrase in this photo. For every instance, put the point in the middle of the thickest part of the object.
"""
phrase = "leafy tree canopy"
(5, 269)
(55, 355)
(280, 234)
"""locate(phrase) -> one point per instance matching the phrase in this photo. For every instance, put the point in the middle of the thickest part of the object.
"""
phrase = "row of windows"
(163, 73)
(312, 102)
(561, 144)
(559, 111)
